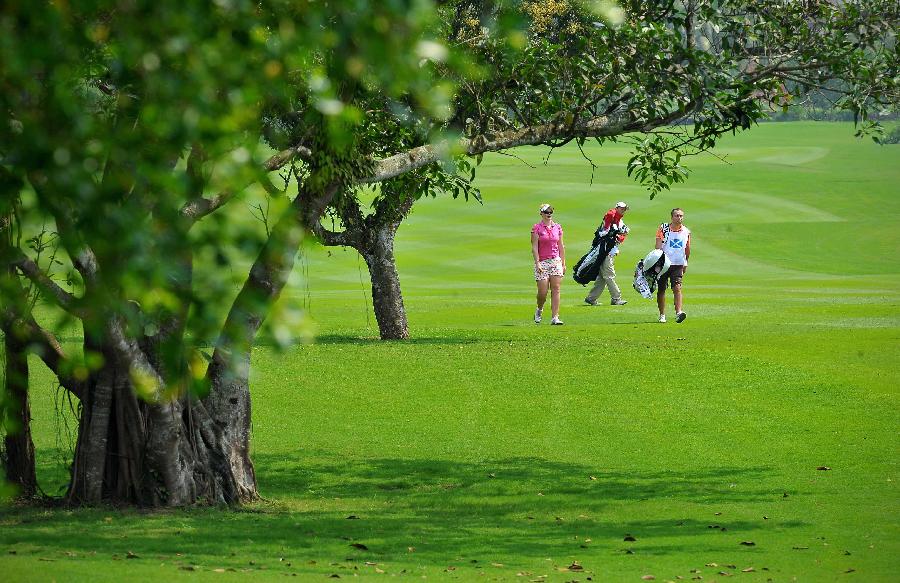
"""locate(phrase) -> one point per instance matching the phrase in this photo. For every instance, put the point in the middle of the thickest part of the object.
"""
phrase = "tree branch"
(593, 127)
(46, 346)
(198, 208)
(270, 272)
(32, 271)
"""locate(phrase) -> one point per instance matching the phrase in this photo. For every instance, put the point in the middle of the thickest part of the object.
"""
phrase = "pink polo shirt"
(548, 240)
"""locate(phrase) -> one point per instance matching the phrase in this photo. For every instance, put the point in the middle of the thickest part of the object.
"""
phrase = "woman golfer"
(549, 262)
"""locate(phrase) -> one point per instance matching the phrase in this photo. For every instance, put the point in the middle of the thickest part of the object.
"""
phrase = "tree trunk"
(19, 448)
(228, 406)
(387, 298)
(166, 453)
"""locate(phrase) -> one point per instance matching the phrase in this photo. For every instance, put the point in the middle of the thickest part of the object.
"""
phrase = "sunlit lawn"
(490, 448)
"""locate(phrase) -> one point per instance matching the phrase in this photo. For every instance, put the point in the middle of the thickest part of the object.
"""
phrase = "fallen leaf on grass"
(218, 570)
(748, 543)
(823, 468)
(629, 538)
(748, 570)
(850, 571)
(131, 555)
(496, 564)
(725, 573)
(593, 477)
(711, 565)
(352, 517)
(800, 548)
(188, 568)
(359, 546)
(648, 577)
(575, 566)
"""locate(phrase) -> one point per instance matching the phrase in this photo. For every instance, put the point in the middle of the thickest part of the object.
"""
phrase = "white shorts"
(552, 266)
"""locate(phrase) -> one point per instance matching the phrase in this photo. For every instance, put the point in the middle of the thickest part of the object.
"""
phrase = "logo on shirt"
(676, 243)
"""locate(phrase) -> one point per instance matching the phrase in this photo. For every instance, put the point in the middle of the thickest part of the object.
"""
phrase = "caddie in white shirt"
(674, 239)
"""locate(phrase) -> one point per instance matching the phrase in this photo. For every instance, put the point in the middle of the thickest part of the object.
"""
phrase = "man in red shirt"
(607, 277)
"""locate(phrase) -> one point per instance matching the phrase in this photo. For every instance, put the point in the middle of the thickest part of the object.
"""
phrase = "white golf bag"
(648, 271)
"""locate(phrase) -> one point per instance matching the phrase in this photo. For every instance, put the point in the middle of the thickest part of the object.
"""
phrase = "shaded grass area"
(490, 448)
(449, 520)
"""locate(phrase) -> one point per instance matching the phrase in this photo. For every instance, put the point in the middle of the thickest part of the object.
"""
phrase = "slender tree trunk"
(19, 458)
(228, 406)
(109, 451)
(387, 298)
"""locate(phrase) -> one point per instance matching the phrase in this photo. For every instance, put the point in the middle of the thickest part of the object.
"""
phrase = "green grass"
(487, 447)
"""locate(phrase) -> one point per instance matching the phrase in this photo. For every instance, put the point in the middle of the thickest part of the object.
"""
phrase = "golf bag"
(588, 267)
(648, 271)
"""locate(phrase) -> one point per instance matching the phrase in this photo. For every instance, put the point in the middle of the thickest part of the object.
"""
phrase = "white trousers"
(606, 278)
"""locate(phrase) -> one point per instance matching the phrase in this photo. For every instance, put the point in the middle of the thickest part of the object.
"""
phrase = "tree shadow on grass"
(370, 340)
(430, 512)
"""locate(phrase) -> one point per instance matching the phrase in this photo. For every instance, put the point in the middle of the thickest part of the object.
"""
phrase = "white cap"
(621, 205)
(546, 206)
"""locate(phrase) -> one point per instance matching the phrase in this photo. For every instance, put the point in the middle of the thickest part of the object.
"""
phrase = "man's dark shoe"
(680, 317)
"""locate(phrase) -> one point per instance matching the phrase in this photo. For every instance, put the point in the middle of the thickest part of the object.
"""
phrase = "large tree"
(126, 126)
(129, 124)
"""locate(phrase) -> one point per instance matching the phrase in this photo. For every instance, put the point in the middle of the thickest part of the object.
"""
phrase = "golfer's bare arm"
(562, 251)
(534, 248)
(687, 253)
